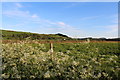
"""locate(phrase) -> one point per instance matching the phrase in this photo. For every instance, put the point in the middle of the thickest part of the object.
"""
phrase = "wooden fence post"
(51, 47)
(52, 52)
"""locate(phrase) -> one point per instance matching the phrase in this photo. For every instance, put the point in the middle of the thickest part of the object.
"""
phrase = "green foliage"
(73, 61)
(99, 48)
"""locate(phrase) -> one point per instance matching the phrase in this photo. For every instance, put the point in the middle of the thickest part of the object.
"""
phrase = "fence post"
(52, 52)
(51, 47)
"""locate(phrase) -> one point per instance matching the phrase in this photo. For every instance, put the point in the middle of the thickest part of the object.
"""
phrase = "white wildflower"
(47, 74)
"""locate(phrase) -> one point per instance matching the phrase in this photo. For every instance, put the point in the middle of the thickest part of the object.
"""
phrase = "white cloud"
(19, 5)
(34, 16)
(16, 13)
(62, 24)
(44, 25)
(60, 27)
(68, 29)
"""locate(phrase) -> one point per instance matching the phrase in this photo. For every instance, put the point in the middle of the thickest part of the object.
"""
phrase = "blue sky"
(75, 19)
(60, 0)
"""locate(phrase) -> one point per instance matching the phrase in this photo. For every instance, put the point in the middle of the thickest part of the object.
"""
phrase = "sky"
(59, 0)
(75, 19)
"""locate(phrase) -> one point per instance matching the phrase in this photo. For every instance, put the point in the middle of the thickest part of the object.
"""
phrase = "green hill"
(16, 35)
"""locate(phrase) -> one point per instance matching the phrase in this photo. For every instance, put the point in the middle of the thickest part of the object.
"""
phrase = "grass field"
(68, 61)
(60, 40)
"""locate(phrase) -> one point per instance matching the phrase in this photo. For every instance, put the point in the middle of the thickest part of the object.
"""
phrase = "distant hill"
(100, 39)
(16, 35)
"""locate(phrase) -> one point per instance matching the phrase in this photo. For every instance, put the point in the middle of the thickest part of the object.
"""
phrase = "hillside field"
(68, 61)
(30, 56)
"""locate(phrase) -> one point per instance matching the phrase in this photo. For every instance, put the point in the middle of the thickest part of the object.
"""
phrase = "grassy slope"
(16, 35)
(7, 35)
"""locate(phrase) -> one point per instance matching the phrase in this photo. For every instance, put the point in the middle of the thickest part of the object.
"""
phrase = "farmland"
(68, 61)
(59, 40)
(28, 56)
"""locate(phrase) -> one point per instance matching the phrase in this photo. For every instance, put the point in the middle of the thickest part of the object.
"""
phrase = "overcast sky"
(75, 19)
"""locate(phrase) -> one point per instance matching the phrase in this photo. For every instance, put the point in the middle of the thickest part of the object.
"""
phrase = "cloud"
(59, 27)
(68, 29)
(19, 5)
(34, 16)
(20, 14)
(16, 13)
(26, 19)
(26, 16)
(62, 24)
